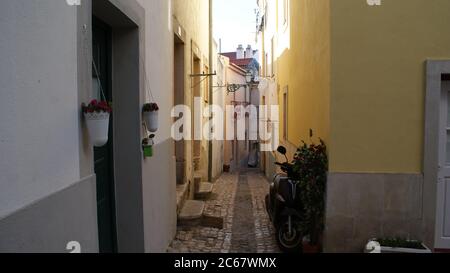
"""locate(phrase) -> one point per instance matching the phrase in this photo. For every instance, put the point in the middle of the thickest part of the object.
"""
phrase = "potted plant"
(150, 115)
(310, 168)
(396, 245)
(147, 146)
(97, 120)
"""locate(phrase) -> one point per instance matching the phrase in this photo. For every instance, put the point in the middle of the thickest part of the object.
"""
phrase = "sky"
(235, 23)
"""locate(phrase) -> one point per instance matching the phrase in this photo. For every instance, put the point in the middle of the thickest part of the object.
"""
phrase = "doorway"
(124, 27)
(196, 84)
(443, 206)
(103, 156)
(179, 87)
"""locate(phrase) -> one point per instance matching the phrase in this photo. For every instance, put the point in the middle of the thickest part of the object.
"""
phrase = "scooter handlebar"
(285, 167)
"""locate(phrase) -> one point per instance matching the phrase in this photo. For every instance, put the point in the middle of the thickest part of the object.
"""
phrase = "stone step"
(182, 196)
(193, 215)
(192, 210)
(204, 190)
(198, 175)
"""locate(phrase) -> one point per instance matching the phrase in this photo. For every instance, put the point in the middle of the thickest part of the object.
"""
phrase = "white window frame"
(285, 14)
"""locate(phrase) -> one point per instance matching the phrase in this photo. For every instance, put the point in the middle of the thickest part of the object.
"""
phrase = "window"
(448, 129)
(272, 66)
(285, 12)
(285, 113)
(266, 66)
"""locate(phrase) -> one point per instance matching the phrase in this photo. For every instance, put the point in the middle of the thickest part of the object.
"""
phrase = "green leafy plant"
(96, 107)
(150, 107)
(310, 168)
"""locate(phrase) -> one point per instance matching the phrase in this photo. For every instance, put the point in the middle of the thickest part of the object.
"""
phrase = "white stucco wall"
(159, 180)
(219, 94)
(39, 111)
(235, 76)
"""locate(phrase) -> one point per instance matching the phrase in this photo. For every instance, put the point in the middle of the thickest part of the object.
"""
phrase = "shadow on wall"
(160, 202)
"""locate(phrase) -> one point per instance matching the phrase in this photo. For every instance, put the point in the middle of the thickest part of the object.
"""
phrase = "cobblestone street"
(239, 199)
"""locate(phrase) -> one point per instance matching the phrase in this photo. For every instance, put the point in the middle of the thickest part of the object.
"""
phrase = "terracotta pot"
(311, 249)
(98, 127)
(308, 248)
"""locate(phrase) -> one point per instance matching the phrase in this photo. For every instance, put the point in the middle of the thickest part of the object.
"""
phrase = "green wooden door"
(103, 156)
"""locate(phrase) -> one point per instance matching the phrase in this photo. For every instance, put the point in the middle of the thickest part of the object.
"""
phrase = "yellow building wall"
(303, 65)
(193, 16)
(378, 81)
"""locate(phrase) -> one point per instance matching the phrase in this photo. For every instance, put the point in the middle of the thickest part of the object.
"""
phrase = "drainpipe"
(210, 150)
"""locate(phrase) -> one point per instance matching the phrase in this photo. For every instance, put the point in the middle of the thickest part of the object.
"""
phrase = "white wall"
(39, 111)
(219, 94)
(159, 185)
(270, 33)
(235, 77)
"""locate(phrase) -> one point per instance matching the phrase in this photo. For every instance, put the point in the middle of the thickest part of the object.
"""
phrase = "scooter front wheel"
(290, 239)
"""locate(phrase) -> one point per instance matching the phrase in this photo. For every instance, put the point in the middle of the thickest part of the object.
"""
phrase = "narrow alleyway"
(239, 199)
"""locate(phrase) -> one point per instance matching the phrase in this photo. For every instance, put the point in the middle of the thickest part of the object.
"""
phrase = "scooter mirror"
(282, 150)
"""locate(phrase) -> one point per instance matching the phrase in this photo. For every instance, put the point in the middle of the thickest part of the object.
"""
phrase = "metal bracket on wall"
(204, 75)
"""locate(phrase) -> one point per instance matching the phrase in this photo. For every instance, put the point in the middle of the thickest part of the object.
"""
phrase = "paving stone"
(192, 210)
(256, 236)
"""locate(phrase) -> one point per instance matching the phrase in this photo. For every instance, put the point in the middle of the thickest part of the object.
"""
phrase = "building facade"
(55, 187)
(242, 71)
(371, 85)
(219, 97)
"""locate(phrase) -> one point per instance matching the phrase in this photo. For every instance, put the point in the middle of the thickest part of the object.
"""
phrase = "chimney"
(249, 52)
(240, 52)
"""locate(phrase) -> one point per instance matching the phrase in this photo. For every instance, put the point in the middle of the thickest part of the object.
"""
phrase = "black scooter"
(283, 205)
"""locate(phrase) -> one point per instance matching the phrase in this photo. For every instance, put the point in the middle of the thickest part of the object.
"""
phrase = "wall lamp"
(232, 88)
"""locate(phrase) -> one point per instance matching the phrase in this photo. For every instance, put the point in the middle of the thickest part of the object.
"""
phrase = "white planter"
(426, 250)
(98, 127)
(151, 120)
(374, 247)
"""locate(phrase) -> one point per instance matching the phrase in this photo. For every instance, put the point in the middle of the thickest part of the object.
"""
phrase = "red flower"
(96, 106)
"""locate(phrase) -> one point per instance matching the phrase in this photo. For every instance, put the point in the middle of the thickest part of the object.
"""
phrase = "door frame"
(127, 20)
(179, 91)
(110, 146)
(433, 201)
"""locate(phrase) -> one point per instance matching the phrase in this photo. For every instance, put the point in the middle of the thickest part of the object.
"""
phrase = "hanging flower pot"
(150, 116)
(97, 121)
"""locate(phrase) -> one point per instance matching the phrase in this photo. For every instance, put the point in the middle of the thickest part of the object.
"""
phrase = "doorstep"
(192, 215)
(204, 191)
